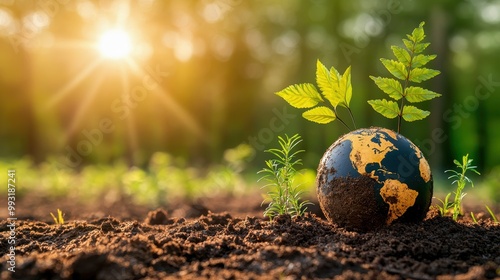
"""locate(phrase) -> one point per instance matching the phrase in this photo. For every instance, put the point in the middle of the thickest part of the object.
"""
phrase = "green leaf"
(421, 60)
(418, 94)
(418, 75)
(420, 47)
(418, 33)
(301, 95)
(322, 76)
(334, 75)
(390, 86)
(327, 83)
(321, 114)
(345, 88)
(409, 44)
(396, 68)
(388, 109)
(412, 113)
(415, 48)
(401, 54)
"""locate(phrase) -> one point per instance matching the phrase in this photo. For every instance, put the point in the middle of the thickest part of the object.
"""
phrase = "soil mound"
(219, 246)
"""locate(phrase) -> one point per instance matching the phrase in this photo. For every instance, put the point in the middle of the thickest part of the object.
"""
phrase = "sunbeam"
(132, 137)
(69, 44)
(170, 104)
(82, 108)
(66, 89)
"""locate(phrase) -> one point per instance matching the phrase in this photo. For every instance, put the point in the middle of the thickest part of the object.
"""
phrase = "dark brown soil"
(161, 245)
(350, 202)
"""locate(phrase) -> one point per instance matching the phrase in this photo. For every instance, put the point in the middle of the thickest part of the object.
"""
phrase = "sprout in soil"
(59, 220)
(492, 215)
(495, 219)
(461, 180)
(372, 172)
(284, 196)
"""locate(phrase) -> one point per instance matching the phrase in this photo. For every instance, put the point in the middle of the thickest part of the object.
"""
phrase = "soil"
(354, 206)
(226, 238)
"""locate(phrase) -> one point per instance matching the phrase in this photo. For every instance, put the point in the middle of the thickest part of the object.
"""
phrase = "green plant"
(336, 88)
(461, 180)
(446, 205)
(284, 196)
(495, 219)
(407, 68)
(473, 217)
(59, 220)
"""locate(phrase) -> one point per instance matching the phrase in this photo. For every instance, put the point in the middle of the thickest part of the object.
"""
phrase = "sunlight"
(171, 105)
(115, 44)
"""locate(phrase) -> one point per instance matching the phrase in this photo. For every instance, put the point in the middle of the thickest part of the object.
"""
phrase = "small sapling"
(284, 195)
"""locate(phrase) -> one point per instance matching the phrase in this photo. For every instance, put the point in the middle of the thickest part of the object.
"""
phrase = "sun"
(115, 44)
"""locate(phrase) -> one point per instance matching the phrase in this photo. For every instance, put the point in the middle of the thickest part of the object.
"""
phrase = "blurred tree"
(218, 63)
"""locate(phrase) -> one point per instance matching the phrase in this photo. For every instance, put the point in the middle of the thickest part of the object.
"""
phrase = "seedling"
(473, 217)
(460, 178)
(59, 220)
(495, 219)
(284, 196)
(446, 205)
(407, 68)
(336, 88)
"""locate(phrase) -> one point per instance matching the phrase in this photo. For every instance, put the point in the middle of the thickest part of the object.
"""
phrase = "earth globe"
(373, 177)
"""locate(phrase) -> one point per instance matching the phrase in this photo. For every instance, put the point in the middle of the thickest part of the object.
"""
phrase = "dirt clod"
(158, 217)
(220, 246)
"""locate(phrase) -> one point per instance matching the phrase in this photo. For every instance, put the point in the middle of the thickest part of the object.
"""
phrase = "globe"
(373, 177)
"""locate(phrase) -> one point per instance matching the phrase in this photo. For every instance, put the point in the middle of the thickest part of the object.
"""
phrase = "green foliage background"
(225, 59)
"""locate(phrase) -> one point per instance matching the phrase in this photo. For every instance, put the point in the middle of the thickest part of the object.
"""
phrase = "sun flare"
(115, 44)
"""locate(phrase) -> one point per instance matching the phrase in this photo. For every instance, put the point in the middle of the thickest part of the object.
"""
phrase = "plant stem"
(340, 120)
(492, 214)
(457, 206)
(407, 79)
(352, 117)
(400, 116)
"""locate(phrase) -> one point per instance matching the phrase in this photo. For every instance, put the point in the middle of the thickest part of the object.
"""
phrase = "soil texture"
(223, 245)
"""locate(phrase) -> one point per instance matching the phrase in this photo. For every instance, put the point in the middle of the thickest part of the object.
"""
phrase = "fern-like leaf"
(345, 88)
(421, 60)
(420, 47)
(418, 33)
(328, 82)
(325, 83)
(388, 109)
(408, 68)
(418, 94)
(320, 114)
(390, 86)
(419, 75)
(412, 113)
(401, 54)
(396, 68)
(301, 95)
